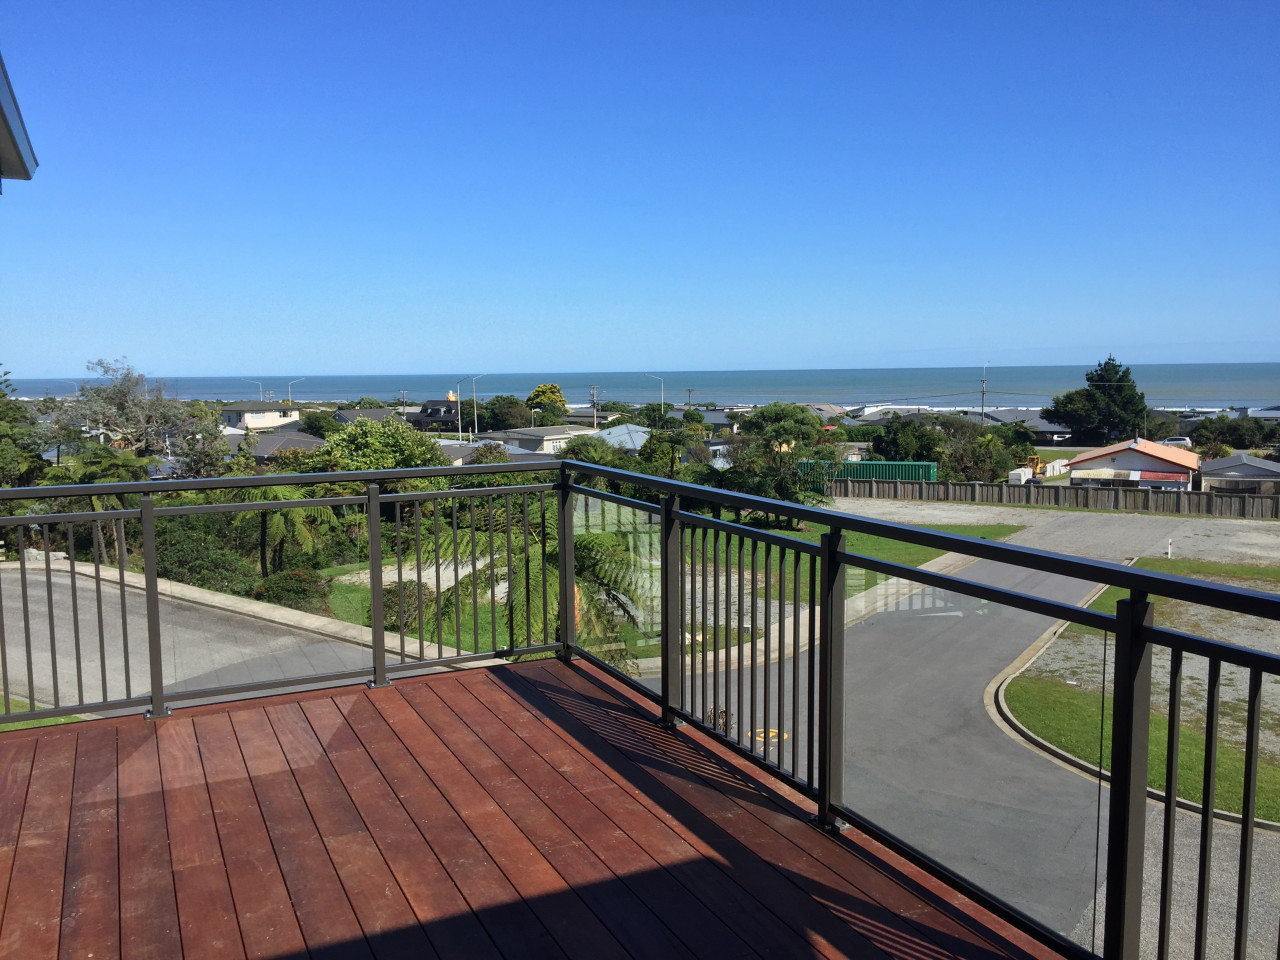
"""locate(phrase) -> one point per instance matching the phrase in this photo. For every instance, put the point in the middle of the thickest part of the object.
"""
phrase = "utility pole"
(594, 387)
(688, 401)
(662, 399)
(983, 415)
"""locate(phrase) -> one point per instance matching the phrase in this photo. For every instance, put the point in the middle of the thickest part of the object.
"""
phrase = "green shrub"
(406, 592)
(303, 590)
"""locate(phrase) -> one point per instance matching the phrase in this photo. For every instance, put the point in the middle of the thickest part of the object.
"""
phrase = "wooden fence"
(1126, 499)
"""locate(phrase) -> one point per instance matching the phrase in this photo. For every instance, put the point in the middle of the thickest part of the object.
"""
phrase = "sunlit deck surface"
(520, 811)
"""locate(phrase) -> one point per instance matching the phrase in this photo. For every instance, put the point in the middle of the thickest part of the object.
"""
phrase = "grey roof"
(359, 413)
(17, 159)
(271, 444)
(1241, 464)
(257, 406)
(629, 436)
(541, 433)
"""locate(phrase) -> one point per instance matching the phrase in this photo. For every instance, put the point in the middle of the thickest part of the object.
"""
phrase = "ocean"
(1188, 385)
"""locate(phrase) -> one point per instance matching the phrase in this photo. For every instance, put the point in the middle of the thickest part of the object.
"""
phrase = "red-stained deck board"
(702, 872)
(16, 757)
(388, 921)
(34, 906)
(575, 858)
(268, 924)
(534, 810)
(91, 891)
(148, 905)
(323, 910)
(700, 929)
(770, 834)
(571, 928)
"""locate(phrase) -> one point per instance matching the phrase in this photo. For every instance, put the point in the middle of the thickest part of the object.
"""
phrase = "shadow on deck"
(521, 811)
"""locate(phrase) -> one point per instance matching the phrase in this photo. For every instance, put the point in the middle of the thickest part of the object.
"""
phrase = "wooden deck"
(524, 811)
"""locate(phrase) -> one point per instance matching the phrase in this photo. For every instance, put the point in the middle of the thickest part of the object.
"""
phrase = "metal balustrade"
(747, 631)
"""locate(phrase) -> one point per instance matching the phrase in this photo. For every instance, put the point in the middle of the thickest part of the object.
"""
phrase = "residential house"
(271, 445)
(1047, 434)
(257, 415)
(1136, 463)
(1240, 473)
(436, 414)
(1269, 415)
(548, 440)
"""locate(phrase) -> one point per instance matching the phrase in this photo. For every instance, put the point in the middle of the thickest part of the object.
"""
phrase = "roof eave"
(17, 159)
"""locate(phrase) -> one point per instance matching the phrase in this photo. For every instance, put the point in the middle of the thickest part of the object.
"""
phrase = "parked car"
(1177, 442)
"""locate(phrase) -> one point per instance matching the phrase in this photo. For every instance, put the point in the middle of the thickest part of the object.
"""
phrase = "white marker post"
(1169, 550)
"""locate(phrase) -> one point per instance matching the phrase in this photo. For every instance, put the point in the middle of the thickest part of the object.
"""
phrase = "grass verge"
(1068, 717)
(19, 706)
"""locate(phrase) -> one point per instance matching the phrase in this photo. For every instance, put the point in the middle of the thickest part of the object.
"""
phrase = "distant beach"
(1182, 386)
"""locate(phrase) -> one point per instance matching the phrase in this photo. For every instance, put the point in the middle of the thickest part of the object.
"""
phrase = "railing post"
(568, 575)
(158, 707)
(1130, 734)
(831, 672)
(377, 616)
(669, 571)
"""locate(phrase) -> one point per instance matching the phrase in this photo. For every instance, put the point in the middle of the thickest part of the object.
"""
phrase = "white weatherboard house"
(1136, 463)
(253, 415)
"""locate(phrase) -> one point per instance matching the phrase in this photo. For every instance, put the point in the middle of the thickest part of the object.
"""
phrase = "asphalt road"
(201, 646)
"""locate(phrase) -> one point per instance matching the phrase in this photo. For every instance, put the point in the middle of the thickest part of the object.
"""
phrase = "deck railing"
(765, 636)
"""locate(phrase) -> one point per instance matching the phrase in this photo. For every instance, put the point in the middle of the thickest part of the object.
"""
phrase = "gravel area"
(1102, 535)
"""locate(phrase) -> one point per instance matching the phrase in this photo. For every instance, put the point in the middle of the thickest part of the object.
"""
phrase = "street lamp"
(983, 416)
(475, 414)
(259, 387)
(662, 399)
(533, 417)
(457, 392)
(291, 383)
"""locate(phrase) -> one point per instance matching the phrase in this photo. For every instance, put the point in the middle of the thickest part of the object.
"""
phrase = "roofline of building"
(17, 158)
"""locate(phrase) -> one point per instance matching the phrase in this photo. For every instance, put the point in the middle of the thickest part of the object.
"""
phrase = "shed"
(1135, 463)
(1240, 473)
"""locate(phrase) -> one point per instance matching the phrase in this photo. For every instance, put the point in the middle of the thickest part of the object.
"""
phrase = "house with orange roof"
(1136, 463)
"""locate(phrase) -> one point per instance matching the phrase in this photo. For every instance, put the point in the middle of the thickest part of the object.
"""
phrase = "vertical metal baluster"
(1170, 802)
(417, 557)
(99, 551)
(4, 642)
(795, 663)
(400, 575)
(542, 521)
(457, 580)
(692, 705)
(567, 634)
(765, 728)
(1206, 809)
(493, 584)
(831, 683)
(715, 634)
(702, 626)
(1248, 811)
(755, 652)
(782, 651)
(528, 573)
(511, 620)
(155, 656)
(121, 562)
(48, 591)
(813, 650)
(475, 577)
(435, 527)
(75, 612)
(686, 679)
(741, 666)
(672, 625)
(26, 623)
(377, 615)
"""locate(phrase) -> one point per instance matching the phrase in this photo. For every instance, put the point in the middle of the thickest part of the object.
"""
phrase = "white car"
(1177, 442)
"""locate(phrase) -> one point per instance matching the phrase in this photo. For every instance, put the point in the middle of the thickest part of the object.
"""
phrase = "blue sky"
(588, 185)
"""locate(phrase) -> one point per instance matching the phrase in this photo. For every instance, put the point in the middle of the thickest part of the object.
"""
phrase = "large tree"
(123, 409)
(1109, 405)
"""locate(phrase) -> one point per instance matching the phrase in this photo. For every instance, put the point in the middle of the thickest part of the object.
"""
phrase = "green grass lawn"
(1068, 717)
(19, 706)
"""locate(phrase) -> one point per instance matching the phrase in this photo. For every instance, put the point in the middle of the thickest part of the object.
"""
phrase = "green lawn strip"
(1050, 454)
(1067, 717)
(21, 706)
(351, 603)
